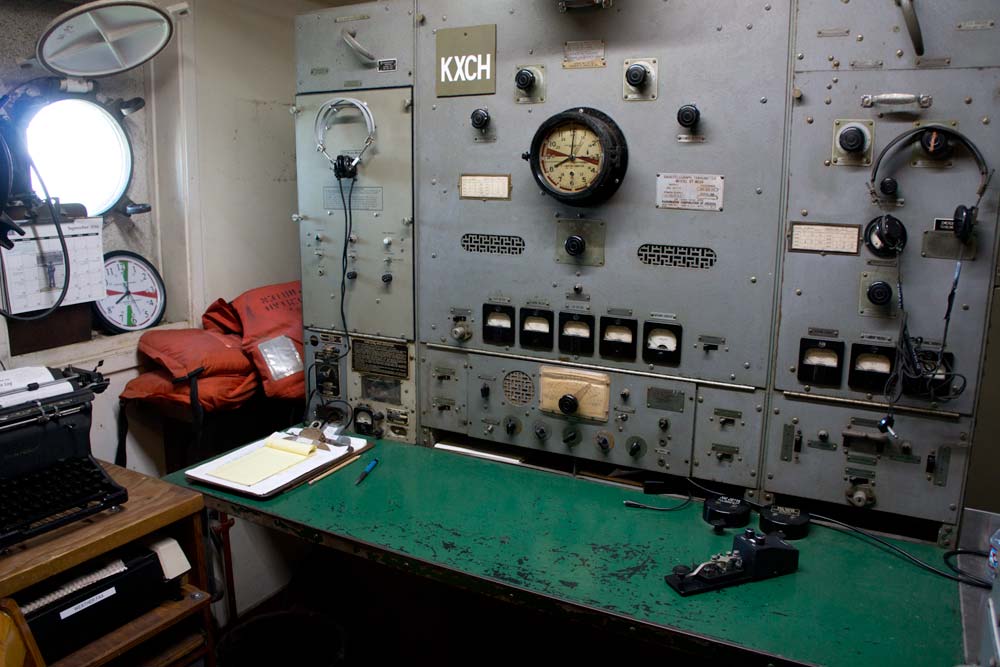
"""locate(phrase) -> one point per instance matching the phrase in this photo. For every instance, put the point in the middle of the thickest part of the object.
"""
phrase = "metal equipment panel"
(363, 45)
(838, 454)
(379, 275)
(706, 273)
(727, 437)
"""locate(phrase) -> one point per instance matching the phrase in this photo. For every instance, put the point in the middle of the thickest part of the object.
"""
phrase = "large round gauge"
(135, 296)
(579, 156)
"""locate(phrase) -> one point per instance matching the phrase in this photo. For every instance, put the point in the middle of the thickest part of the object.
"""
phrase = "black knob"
(635, 448)
(889, 186)
(879, 293)
(510, 426)
(387, 278)
(636, 75)
(541, 432)
(568, 404)
(570, 436)
(525, 79)
(935, 143)
(484, 391)
(852, 139)
(886, 236)
(604, 443)
(688, 116)
(351, 275)
(664, 424)
(575, 245)
(480, 119)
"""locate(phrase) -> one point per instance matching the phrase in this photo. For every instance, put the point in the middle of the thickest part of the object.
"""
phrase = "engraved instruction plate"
(692, 192)
(584, 54)
(484, 186)
(838, 239)
(376, 357)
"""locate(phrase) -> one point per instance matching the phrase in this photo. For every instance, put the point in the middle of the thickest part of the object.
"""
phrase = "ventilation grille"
(686, 257)
(493, 244)
(518, 388)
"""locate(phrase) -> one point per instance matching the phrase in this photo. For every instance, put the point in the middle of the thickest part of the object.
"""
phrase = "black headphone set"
(934, 139)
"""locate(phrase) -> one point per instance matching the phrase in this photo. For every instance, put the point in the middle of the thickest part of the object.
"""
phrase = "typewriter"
(48, 477)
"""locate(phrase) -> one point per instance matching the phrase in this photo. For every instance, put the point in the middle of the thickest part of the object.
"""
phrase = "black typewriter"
(48, 477)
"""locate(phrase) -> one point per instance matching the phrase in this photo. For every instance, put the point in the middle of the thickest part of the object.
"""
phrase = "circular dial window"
(579, 157)
(571, 157)
(135, 296)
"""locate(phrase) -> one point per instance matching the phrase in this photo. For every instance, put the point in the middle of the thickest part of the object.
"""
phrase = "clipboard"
(317, 462)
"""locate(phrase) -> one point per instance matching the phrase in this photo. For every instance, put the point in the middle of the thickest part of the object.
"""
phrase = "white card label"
(481, 186)
(693, 192)
(89, 602)
(842, 239)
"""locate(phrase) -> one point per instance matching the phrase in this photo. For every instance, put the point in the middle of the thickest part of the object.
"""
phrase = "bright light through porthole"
(82, 153)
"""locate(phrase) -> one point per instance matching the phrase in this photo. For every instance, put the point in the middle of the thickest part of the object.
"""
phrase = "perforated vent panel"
(518, 388)
(494, 244)
(686, 257)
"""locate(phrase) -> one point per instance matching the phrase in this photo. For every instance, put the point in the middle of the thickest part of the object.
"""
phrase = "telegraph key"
(753, 557)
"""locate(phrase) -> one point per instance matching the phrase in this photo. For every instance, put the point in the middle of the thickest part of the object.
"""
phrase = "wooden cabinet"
(177, 632)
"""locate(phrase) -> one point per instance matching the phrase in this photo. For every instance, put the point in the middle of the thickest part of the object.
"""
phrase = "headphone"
(344, 166)
(965, 216)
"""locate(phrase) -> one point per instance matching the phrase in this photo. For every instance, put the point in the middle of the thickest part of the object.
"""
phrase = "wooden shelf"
(151, 505)
(134, 633)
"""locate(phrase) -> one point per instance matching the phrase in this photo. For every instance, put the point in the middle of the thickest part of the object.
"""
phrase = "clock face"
(571, 157)
(579, 157)
(135, 295)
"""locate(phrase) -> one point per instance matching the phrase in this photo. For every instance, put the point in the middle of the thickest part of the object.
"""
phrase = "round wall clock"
(579, 156)
(135, 297)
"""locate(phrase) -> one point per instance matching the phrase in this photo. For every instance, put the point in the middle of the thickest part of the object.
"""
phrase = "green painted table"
(545, 539)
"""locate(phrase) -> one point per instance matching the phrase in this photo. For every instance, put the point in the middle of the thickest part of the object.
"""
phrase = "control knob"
(637, 75)
(575, 245)
(480, 119)
(525, 79)
(688, 116)
(568, 404)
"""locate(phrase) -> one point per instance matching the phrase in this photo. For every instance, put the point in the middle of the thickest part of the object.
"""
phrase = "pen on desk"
(368, 469)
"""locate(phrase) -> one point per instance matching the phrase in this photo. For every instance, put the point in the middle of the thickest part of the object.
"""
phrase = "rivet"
(753, 279)
(836, 63)
(965, 306)
(836, 79)
(968, 100)
(830, 58)
(749, 26)
(800, 56)
(986, 120)
(777, 411)
(763, 100)
(804, 212)
(899, 53)
(860, 38)
(826, 163)
(746, 365)
(809, 119)
(827, 101)
(798, 292)
(767, 8)
(795, 420)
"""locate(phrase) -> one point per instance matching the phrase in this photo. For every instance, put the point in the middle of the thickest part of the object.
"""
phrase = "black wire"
(65, 252)
(948, 555)
(633, 504)
(348, 230)
(970, 580)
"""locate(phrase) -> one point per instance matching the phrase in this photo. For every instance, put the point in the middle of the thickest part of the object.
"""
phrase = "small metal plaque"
(862, 460)
(825, 238)
(866, 64)
(860, 472)
(827, 445)
(941, 467)
(380, 358)
(671, 400)
(353, 17)
(981, 24)
(817, 332)
(620, 312)
(386, 65)
(933, 63)
(833, 32)
(690, 138)
(364, 198)
(904, 458)
(787, 441)
(943, 244)
(584, 54)
(669, 317)
(692, 192)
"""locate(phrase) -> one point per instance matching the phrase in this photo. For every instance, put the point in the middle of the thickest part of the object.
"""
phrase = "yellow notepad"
(276, 455)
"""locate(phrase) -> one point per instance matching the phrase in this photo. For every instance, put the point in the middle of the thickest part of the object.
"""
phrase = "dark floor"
(343, 605)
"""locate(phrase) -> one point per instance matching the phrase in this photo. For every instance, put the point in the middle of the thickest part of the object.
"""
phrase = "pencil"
(335, 469)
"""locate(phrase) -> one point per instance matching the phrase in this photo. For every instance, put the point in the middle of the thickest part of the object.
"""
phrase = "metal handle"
(912, 25)
(359, 50)
(896, 99)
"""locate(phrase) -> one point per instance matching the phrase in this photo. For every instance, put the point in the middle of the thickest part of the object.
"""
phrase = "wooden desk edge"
(49, 554)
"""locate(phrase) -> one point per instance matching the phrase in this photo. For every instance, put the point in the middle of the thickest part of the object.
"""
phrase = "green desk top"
(572, 539)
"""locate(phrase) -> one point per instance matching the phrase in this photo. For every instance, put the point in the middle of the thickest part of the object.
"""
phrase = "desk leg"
(222, 529)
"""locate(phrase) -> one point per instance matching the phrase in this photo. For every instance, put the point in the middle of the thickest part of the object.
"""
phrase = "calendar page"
(33, 270)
